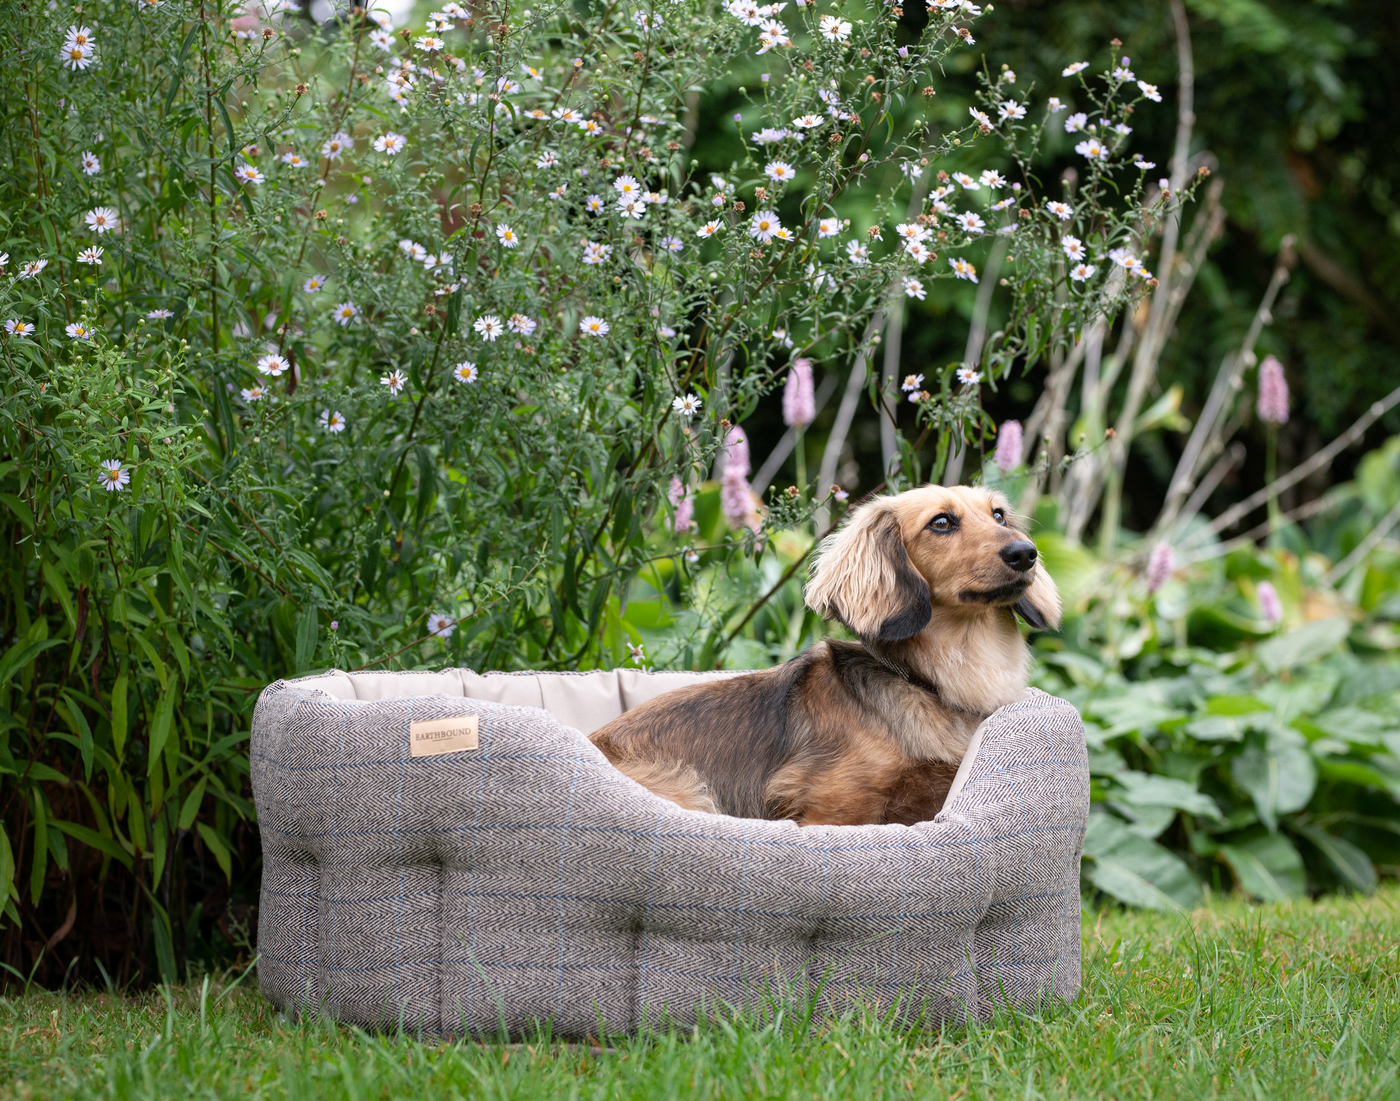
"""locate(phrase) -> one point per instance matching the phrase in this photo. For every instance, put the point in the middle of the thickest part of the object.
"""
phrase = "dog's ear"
(863, 577)
(1040, 605)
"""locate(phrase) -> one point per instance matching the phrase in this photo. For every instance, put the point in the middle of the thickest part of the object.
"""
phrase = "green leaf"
(1139, 789)
(1353, 867)
(308, 629)
(1280, 779)
(192, 802)
(19, 508)
(1269, 867)
(7, 868)
(1130, 714)
(165, 945)
(22, 653)
(40, 866)
(119, 716)
(60, 591)
(152, 657)
(1303, 644)
(74, 713)
(95, 840)
(1135, 870)
(218, 848)
(160, 729)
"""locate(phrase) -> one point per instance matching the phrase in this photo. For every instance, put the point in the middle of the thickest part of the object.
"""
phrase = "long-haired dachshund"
(847, 733)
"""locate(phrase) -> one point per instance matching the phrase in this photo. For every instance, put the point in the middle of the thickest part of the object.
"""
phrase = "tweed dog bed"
(492, 871)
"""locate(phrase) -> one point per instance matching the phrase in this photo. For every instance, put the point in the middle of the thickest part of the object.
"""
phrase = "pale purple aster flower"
(683, 505)
(1008, 454)
(799, 400)
(1273, 392)
(1160, 564)
(1270, 607)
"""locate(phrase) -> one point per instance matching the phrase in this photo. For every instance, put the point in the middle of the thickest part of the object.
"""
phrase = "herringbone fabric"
(489, 890)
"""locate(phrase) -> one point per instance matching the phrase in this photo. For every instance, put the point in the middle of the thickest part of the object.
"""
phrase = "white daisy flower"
(32, 268)
(828, 227)
(76, 57)
(1054, 105)
(272, 365)
(1093, 149)
(808, 122)
(91, 165)
(489, 326)
(159, 315)
(918, 250)
(1010, 109)
(507, 236)
(547, 159)
(519, 323)
(709, 229)
(627, 187)
(566, 114)
(631, 208)
(671, 244)
(332, 422)
(79, 331)
(911, 383)
(1004, 203)
(962, 269)
(114, 476)
(834, 29)
(593, 326)
(1122, 72)
(968, 377)
(18, 328)
(382, 40)
(913, 288)
(1081, 272)
(594, 204)
(594, 252)
(980, 117)
(779, 171)
(857, 253)
(1145, 165)
(252, 393)
(1062, 211)
(441, 625)
(391, 144)
(992, 179)
(971, 223)
(591, 127)
(248, 174)
(912, 231)
(335, 145)
(1074, 248)
(1077, 67)
(101, 219)
(1076, 122)
(295, 160)
(466, 372)
(92, 255)
(429, 44)
(314, 284)
(1150, 91)
(764, 224)
(395, 380)
(686, 406)
(967, 182)
(345, 312)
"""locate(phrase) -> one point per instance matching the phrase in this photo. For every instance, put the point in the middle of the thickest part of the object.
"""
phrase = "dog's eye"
(999, 515)
(942, 522)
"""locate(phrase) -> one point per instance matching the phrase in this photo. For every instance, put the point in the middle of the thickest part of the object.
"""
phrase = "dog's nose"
(1020, 555)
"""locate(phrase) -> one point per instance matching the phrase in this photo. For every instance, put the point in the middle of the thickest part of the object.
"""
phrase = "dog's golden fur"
(846, 733)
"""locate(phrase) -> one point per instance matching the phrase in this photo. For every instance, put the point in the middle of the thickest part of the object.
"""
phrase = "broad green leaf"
(218, 848)
(7, 868)
(165, 945)
(40, 864)
(59, 588)
(1234, 705)
(1269, 867)
(1130, 713)
(73, 712)
(1280, 779)
(1217, 728)
(160, 729)
(1303, 644)
(192, 802)
(1139, 789)
(1353, 867)
(1135, 870)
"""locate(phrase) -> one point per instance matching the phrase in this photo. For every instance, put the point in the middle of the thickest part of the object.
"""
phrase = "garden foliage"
(372, 347)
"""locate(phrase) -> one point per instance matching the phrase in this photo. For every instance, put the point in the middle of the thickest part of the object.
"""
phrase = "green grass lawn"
(1297, 1001)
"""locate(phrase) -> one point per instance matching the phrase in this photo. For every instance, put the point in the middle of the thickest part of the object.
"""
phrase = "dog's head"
(955, 547)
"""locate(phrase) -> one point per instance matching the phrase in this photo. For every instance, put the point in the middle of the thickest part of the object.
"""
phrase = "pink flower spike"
(1008, 456)
(1273, 392)
(799, 399)
(735, 495)
(1270, 607)
(1160, 564)
(684, 506)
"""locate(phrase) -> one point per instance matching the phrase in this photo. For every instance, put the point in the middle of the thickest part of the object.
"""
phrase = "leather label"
(433, 736)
